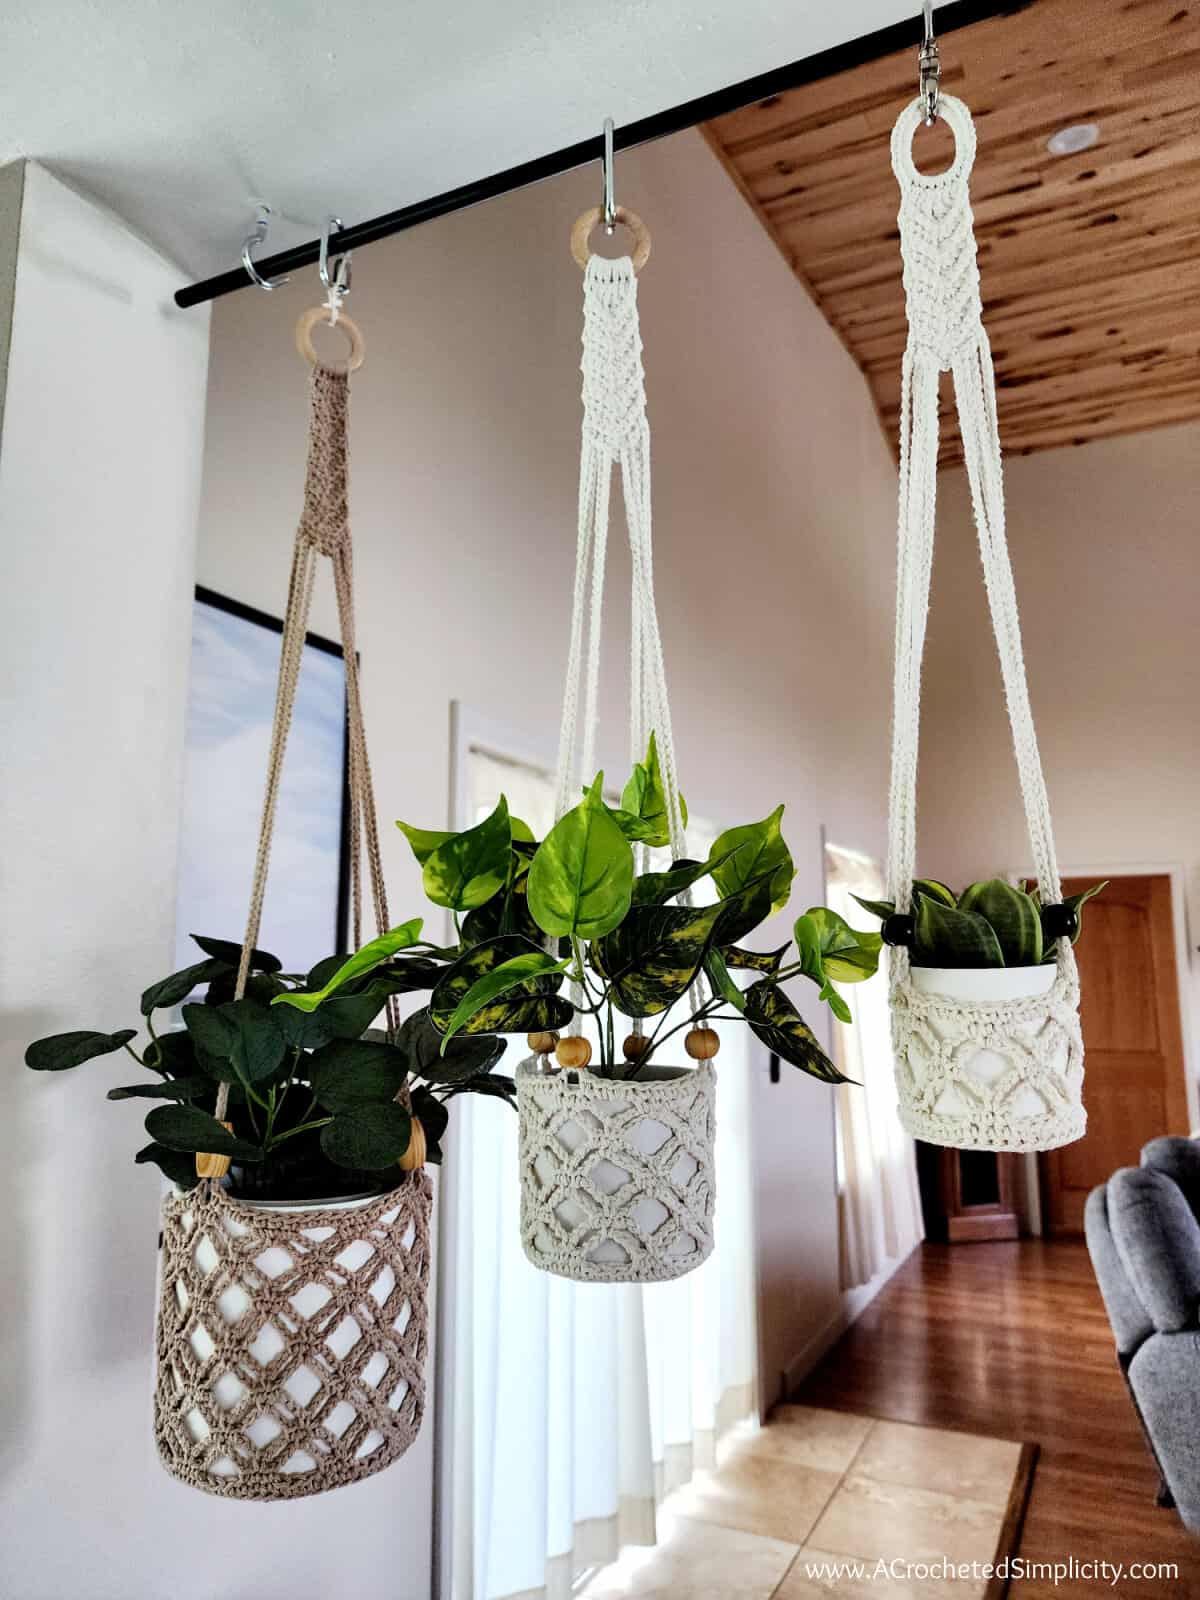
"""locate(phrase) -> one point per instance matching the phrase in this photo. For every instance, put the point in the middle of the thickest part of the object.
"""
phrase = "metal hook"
(608, 204)
(251, 242)
(930, 69)
(337, 286)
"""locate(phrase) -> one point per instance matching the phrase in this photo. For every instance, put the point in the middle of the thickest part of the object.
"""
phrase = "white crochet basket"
(974, 1070)
(617, 1178)
(978, 1072)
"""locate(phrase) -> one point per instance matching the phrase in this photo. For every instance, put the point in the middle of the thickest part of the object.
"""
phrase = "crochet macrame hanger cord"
(324, 530)
(946, 334)
(615, 431)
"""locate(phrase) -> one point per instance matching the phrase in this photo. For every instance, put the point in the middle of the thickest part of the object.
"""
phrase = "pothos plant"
(531, 917)
(315, 1092)
(990, 924)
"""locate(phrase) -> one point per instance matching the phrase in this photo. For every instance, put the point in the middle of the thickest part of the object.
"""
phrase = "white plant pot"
(291, 1339)
(989, 1058)
(617, 1181)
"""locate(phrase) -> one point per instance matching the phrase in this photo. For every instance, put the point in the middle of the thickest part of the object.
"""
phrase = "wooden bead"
(636, 1046)
(413, 1158)
(701, 1044)
(542, 1044)
(573, 1052)
(209, 1166)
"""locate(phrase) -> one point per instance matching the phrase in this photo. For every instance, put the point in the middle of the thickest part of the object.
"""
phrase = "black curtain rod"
(825, 64)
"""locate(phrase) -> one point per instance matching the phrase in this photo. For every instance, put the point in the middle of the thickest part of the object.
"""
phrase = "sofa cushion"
(1179, 1159)
(1158, 1241)
(1130, 1320)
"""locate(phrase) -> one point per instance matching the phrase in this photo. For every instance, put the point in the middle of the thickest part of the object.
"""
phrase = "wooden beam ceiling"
(1090, 262)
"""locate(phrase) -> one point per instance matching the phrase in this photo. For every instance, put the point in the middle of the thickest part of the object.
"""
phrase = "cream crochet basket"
(617, 1181)
(971, 1073)
(290, 1342)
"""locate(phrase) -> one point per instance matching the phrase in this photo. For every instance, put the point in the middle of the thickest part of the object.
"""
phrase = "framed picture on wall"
(231, 701)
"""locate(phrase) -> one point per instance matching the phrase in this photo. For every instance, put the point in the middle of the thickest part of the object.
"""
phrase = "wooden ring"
(308, 321)
(582, 232)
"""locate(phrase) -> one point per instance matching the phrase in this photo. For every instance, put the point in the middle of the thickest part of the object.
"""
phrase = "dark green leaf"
(175, 1054)
(501, 980)
(348, 1016)
(371, 1135)
(170, 991)
(257, 1047)
(303, 1030)
(467, 1056)
(581, 880)
(1012, 916)
(742, 912)
(653, 956)
(780, 1027)
(947, 938)
(934, 889)
(537, 1014)
(504, 913)
(179, 1168)
(434, 1119)
(212, 1032)
(63, 1050)
(768, 961)
(878, 908)
(349, 1072)
(231, 954)
(190, 1129)
(170, 1089)
(468, 868)
(476, 963)
(656, 888)
(718, 972)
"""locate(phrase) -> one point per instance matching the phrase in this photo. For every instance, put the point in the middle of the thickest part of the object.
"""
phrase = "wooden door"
(1134, 1085)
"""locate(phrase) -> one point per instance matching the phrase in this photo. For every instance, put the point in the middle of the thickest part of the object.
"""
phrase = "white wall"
(99, 487)
(1104, 549)
(774, 497)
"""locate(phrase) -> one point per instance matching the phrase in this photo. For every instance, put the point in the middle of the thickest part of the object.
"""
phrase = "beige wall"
(1106, 549)
(774, 500)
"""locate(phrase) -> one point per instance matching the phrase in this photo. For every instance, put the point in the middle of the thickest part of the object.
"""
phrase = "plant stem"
(304, 1127)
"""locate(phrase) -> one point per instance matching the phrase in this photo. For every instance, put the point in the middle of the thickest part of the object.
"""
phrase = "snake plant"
(990, 924)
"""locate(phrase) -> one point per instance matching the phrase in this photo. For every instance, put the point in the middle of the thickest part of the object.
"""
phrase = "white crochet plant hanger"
(1029, 1097)
(604, 1197)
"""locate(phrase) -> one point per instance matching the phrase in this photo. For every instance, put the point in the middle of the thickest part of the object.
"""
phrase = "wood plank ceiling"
(1090, 262)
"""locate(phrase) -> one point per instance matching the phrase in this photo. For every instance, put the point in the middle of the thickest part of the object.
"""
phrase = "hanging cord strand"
(324, 529)
(946, 333)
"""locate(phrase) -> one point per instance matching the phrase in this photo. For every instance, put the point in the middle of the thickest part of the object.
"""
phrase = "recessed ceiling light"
(1070, 141)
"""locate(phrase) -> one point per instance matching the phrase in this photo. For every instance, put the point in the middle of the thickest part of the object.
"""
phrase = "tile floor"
(823, 1487)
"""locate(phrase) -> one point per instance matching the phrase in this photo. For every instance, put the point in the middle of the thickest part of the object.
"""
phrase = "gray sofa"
(1143, 1234)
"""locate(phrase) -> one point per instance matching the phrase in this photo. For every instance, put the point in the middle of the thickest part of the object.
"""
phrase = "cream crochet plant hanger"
(991, 1075)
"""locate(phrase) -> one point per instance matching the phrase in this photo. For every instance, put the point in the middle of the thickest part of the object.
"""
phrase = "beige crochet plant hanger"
(291, 1342)
(971, 1074)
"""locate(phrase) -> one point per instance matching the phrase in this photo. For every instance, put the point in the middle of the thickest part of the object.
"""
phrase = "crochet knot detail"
(990, 1075)
(614, 382)
(325, 516)
(937, 240)
(617, 1182)
(291, 1344)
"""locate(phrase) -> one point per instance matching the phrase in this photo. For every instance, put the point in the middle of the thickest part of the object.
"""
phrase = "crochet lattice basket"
(990, 1074)
(617, 1178)
(290, 1342)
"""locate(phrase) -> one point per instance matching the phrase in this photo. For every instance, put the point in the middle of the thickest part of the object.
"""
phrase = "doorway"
(1136, 1083)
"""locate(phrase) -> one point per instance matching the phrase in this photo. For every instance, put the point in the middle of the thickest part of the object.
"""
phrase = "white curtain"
(574, 1408)
(879, 1204)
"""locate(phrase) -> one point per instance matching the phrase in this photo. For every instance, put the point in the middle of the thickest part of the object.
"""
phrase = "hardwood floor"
(1011, 1339)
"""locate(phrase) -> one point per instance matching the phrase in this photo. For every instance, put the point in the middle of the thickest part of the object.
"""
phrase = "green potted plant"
(307, 1196)
(556, 933)
(985, 1024)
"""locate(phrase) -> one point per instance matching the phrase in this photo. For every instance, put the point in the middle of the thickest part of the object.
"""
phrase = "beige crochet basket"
(290, 1342)
(617, 1180)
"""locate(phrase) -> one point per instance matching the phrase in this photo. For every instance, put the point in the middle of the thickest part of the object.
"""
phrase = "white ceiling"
(180, 116)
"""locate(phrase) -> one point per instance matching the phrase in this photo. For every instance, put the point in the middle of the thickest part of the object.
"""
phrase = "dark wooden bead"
(898, 929)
